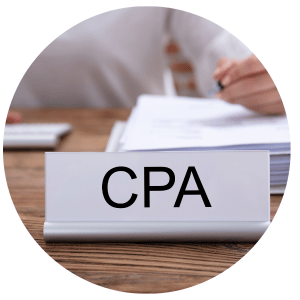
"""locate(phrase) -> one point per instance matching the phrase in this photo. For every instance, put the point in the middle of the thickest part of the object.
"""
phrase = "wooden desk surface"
(141, 268)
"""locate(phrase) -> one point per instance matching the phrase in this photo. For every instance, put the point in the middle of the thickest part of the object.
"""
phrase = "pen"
(217, 88)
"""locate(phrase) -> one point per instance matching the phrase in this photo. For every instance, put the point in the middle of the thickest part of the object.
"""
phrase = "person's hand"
(248, 83)
(13, 117)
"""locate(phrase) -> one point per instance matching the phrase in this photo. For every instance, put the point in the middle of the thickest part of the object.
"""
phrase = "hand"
(248, 83)
(13, 117)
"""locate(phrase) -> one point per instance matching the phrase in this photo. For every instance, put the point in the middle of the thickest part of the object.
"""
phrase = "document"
(161, 122)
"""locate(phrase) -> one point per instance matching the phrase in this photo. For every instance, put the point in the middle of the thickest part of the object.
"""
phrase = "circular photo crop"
(146, 150)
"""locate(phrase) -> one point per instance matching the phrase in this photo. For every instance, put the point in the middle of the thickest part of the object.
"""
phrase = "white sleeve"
(203, 43)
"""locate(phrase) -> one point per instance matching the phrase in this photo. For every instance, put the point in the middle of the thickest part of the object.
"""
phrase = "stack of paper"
(190, 124)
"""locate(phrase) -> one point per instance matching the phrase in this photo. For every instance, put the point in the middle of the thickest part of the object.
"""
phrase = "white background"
(270, 30)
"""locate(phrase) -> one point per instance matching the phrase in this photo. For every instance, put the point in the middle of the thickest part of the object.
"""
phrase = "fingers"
(244, 68)
(13, 117)
(223, 67)
(246, 87)
(223, 61)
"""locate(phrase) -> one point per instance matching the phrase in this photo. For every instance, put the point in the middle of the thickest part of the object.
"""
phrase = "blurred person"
(111, 59)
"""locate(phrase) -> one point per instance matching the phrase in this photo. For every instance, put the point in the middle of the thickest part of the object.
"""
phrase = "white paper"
(178, 122)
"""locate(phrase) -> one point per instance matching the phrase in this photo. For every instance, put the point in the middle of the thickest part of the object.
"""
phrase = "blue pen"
(217, 88)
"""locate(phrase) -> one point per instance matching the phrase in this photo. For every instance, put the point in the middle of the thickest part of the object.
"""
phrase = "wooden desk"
(143, 268)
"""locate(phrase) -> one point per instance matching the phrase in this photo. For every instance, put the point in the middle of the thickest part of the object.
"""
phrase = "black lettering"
(200, 191)
(149, 188)
(105, 191)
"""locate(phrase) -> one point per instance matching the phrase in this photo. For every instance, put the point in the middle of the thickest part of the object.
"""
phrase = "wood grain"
(129, 267)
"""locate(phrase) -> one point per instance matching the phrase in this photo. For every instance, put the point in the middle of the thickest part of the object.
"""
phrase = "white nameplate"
(215, 195)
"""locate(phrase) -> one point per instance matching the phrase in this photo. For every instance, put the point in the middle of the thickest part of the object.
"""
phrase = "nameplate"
(218, 195)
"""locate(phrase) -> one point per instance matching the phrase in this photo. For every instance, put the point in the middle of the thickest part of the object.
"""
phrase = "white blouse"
(112, 58)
